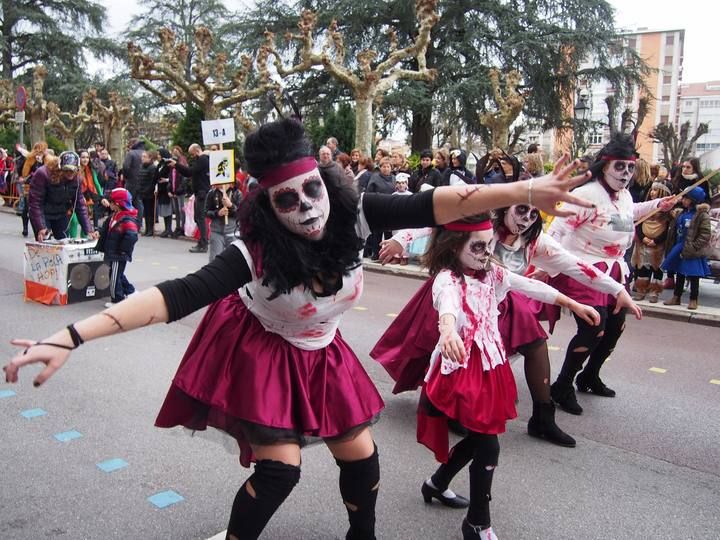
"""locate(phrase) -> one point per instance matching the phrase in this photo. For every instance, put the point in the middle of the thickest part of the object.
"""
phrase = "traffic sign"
(20, 98)
(19, 117)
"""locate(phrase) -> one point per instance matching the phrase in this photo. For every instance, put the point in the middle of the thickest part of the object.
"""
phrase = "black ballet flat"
(429, 493)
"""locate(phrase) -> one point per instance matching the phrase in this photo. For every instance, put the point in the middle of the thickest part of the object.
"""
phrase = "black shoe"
(429, 493)
(593, 385)
(25, 233)
(198, 249)
(542, 425)
(565, 398)
(164, 234)
(148, 234)
(471, 532)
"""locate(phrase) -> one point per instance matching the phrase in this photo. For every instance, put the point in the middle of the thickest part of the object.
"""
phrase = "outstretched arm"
(169, 301)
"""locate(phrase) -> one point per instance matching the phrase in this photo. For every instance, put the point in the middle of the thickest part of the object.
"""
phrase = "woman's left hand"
(389, 249)
(623, 300)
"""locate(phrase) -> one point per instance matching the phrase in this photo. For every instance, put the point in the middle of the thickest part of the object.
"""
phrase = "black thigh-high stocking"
(581, 347)
(537, 369)
(259, 497)
(460, 455)
(614, 326)
(359, 483)
(482, 468)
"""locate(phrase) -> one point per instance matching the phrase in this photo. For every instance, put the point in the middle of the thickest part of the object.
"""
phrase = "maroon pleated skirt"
(260, 389)
(584, 294)
(519, 321)
(481, 400)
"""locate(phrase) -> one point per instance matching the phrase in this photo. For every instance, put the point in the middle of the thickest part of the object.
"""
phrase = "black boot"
(542, 425)
(564, 396)
(586, 383)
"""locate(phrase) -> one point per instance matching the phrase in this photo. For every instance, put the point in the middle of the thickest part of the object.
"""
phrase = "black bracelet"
(75, 336)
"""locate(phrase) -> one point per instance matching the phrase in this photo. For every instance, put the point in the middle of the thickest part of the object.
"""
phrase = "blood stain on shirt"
(307, 311)
(613, 250)
(588, 270)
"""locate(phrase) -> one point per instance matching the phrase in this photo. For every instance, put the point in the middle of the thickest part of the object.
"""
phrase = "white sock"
(448, 493)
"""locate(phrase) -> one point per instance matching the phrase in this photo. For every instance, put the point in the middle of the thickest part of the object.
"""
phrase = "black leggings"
(650, 272)
(593, 342)
(484, 451)
(694, 286)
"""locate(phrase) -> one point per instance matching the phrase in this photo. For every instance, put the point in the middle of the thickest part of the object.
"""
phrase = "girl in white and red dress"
(267, 364)
(469, 378)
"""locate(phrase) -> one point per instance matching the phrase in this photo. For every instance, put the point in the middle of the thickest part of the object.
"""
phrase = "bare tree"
(210, 87)
(676, 146)
(113, 120)
(509, 106)
(36, 108)
(69, 125)
(372, 79)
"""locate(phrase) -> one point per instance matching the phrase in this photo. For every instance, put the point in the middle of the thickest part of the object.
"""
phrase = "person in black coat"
(425, 173)
(199, 174)
(147, 179)
(381, 181)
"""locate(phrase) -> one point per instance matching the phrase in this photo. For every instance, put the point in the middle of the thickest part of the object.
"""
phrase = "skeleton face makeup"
(301, 203)
(618, 173)
(476, 252)
(519, 217)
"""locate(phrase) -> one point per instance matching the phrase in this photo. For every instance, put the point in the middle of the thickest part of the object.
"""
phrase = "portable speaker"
(87, 281)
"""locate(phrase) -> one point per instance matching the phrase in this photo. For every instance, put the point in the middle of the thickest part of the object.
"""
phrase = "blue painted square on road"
(165, 498)
(112, 465)
(33, 413)
(66, 436)
(6, 393)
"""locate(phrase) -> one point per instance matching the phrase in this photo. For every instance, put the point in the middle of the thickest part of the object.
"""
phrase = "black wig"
(289, 260)
(621, 146)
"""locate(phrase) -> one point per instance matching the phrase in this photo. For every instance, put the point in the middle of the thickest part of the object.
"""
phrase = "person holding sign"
(267, 364)
(199, 174)
(221, 207)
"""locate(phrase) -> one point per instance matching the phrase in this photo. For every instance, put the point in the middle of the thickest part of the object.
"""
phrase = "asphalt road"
(647, 463)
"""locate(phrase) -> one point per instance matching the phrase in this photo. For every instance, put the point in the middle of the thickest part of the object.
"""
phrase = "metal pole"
(22, 129)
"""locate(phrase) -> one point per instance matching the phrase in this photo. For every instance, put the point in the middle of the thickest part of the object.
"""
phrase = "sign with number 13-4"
(218, 131)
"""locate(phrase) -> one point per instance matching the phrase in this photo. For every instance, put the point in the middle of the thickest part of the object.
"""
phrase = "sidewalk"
(708, 312)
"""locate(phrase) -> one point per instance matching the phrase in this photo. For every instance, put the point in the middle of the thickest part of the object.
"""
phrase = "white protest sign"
(222, 167)
(218, 131)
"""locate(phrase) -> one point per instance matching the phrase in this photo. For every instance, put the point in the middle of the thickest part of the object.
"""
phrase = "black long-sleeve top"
(229, 270)
(199, 174)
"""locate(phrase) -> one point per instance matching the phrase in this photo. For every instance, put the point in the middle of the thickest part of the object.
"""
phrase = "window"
(668, 60)
(632, 43)
(689, 104)
(664, 119)
(667, 79)
(596, 138)
(669, 40)
(710, 103)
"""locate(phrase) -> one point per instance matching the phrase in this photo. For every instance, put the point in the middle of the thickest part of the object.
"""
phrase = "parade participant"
(521, 246)
(277, 296)
(117, 241)
(649, 249)
(599, 236)
(55, 194)
(452, 323)
(687, 243)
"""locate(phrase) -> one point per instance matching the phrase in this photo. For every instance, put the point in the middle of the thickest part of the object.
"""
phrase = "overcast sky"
(699, 19)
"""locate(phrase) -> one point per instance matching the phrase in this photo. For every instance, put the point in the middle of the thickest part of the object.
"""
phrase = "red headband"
(616, 158)
(464, 226)
(278, 175)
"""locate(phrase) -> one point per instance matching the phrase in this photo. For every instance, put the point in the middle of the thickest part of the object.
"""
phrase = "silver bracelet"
(530, 186)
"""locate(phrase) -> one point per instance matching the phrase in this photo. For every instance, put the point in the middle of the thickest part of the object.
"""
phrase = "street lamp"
(582, 115)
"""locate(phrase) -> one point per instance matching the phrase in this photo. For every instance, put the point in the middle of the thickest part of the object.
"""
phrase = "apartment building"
(700, 103)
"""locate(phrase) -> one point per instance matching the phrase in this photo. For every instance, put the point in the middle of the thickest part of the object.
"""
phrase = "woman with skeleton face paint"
(599, 236)
(469, 379)
(267, 365)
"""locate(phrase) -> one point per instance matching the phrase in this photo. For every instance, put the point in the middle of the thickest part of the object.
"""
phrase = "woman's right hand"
(36, 353)
(452, 346)
(389, 249)
(555, 187)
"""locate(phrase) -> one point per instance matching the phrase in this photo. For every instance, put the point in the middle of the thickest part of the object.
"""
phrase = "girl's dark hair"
(442, 253)
(529, 235)
(289, 260)
(621, 146)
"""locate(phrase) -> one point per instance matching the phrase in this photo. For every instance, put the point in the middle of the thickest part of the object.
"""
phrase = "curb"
(649, 310)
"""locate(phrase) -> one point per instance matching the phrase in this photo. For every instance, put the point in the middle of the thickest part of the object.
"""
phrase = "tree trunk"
(69, 142)
(114, 143)
(364, 124)
(421, 137)
(36, 119)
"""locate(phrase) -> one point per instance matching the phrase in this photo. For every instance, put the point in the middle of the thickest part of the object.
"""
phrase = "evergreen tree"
(189, 129)
(51, 32)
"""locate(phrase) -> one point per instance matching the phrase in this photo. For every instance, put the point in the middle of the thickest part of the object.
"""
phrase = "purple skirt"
(252, 384)
(584, 294)
(519, 321)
